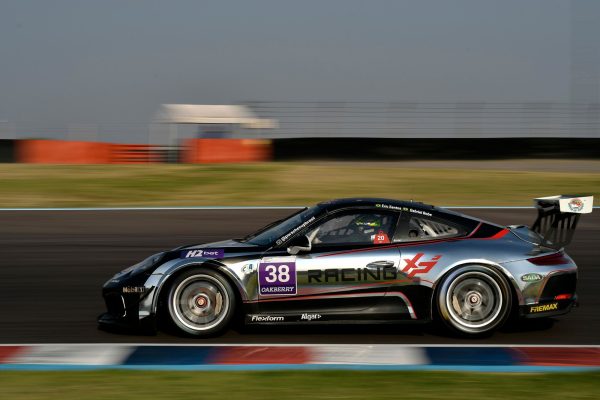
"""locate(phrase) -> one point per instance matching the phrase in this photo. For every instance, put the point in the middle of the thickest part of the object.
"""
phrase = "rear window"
(419, 228)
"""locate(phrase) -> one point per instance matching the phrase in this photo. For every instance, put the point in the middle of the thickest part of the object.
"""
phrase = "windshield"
(281, 230)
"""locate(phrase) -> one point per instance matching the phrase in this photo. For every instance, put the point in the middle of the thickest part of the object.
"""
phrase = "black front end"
(122, 305)
(122, 295)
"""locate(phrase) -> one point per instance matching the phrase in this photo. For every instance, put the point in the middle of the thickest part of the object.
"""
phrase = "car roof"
(372, 202)
(394, 205)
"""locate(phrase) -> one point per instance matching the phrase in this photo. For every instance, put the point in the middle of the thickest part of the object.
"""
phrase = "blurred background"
(129, 104)
(233, 81)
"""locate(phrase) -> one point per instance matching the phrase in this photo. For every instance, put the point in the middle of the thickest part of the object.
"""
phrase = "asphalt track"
(53, 263)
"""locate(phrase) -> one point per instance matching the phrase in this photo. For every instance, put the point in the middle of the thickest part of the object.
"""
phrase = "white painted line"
(156, 208)
(301, 345)
(368, 354)
(238, 208)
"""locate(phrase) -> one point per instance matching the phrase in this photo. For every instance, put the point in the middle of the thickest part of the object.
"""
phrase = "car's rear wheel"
(201, 302)
(474, 300)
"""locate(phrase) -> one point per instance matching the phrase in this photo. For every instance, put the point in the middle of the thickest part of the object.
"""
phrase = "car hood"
(229, 243)
(232, 246)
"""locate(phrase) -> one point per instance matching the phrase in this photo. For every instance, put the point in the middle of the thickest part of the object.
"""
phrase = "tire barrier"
(72, 152)
(202, 151)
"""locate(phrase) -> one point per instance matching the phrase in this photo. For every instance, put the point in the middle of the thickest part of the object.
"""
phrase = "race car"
(360, 260)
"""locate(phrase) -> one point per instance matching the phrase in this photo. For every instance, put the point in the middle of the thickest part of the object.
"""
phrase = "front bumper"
(109, 322)
(122, 301)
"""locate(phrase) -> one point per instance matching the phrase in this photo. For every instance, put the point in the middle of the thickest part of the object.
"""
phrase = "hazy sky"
(92, 61)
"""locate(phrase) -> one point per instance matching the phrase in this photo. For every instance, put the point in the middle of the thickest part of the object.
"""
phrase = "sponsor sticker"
(532, 277)
(267, 318)
(294, 231)
(576, 205)
(248, 269)
(543, 308)
(277, 278)
(414, 266)
(134, 289)
(310, 317)
(204, 253)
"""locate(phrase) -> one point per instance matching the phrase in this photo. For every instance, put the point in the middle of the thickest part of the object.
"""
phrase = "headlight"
(142, 266)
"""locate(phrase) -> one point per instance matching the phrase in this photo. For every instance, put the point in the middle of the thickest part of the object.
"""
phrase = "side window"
(418, 228)
(362, 228)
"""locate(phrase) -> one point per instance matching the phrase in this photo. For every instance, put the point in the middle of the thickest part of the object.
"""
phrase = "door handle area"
(380, 264)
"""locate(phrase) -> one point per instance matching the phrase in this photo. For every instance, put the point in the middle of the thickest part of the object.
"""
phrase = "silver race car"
(360, 261)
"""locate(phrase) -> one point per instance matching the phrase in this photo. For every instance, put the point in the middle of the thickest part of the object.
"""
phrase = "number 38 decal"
(279, 273)
(277, 278)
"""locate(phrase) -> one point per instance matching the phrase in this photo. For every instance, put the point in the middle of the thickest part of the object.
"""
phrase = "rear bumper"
(556, 296)
(548, 309)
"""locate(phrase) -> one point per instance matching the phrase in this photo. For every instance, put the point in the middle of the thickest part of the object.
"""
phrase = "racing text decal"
(413, 267)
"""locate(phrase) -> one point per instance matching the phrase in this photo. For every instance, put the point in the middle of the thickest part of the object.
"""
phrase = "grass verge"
(266, 184)
(281, 385)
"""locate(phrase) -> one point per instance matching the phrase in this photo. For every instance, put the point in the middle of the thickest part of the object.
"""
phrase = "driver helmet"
(368, 221)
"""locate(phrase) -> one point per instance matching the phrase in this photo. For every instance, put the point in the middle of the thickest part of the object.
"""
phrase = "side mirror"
(299, 244)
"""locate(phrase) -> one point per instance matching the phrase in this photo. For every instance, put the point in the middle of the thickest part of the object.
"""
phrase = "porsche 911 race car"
(360, 261)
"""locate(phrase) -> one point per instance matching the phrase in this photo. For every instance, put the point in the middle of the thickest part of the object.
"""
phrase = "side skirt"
(327, 319)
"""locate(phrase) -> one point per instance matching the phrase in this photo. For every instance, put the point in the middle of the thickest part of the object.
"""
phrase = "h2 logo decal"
(414, 267)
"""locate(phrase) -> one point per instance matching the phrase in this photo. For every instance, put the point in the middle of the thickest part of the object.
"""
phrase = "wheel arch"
(512, 284)
(204, 264)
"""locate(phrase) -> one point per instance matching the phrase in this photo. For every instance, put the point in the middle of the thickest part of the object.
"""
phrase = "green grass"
(277, 184)
(281, 385)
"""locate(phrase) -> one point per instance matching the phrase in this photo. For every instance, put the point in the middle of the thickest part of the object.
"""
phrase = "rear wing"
(558, 216)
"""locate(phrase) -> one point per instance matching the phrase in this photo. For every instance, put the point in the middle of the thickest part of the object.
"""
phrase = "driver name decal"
(277, 278)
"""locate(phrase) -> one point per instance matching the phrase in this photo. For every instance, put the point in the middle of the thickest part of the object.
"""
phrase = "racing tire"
(200, 302)
(474, 300)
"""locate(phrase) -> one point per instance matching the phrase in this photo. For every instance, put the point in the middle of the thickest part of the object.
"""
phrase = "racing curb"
(299, 357)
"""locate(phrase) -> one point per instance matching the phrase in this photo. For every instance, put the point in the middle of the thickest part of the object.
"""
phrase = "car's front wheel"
(201, 302)
(474, 300)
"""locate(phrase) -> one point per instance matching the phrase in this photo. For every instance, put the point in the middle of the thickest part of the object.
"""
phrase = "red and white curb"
(267, 357)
